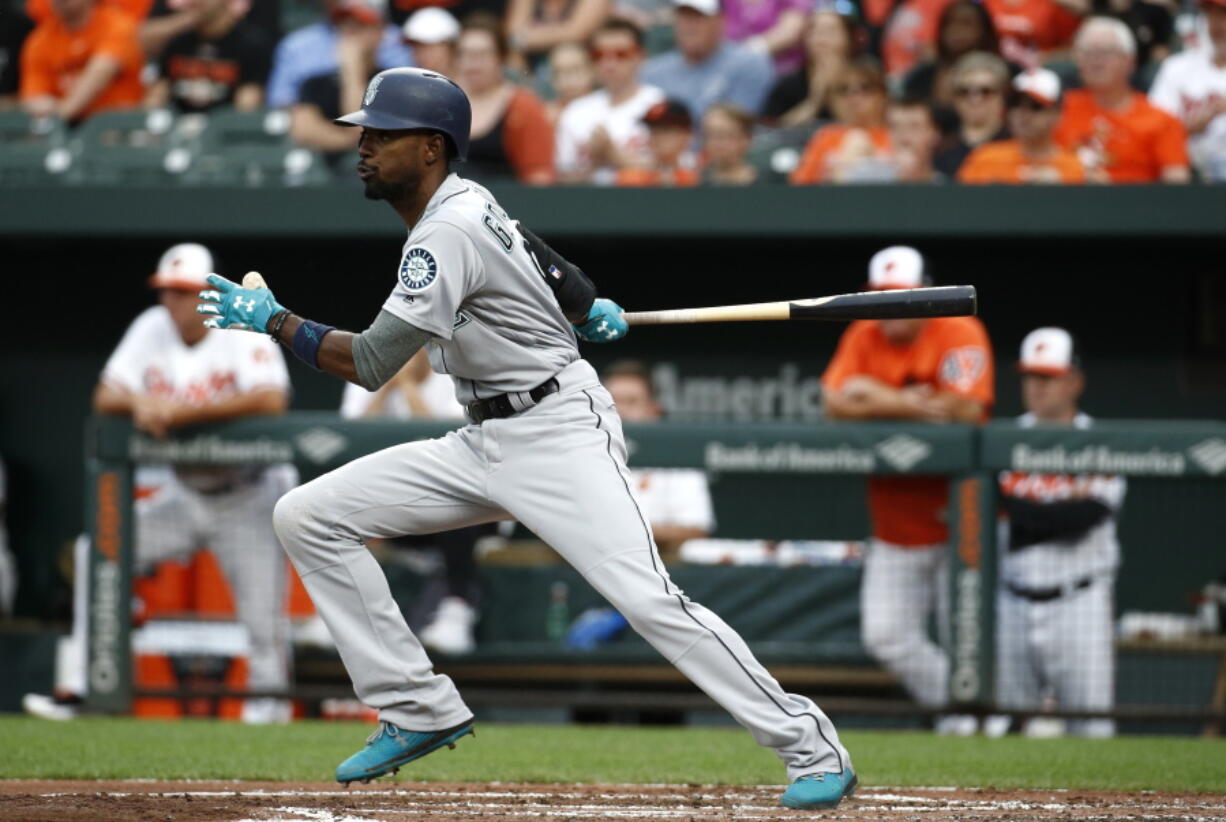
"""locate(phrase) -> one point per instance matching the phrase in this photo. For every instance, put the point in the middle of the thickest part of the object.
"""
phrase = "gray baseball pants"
(560, 469)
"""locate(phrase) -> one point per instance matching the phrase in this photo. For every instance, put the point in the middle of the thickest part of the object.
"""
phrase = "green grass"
(308, 751)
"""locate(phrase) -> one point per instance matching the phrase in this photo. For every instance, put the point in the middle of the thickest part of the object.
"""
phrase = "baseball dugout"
(778, 481)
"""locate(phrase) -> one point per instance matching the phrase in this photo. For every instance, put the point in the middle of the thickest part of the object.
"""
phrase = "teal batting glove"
(229, 305)
(604, 323)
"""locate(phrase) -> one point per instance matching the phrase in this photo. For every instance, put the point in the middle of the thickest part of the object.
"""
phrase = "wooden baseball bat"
(252, 279)
(899, 303)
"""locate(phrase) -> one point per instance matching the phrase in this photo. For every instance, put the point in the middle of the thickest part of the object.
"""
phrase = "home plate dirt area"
(149, 801)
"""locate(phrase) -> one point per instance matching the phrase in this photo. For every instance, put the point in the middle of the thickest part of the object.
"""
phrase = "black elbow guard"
(572, 289)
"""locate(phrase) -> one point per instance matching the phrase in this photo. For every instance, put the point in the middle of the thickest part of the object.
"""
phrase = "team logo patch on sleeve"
(418, 270)
(962, 367)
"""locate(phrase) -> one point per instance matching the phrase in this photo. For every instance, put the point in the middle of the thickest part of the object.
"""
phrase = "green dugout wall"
(1137, 272)
(1188, 460)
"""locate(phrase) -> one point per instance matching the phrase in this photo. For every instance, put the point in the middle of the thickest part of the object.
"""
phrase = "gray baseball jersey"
(466, 278)
(559, 467)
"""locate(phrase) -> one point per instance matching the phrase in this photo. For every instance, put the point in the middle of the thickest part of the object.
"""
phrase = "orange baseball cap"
(185, 267)
(1049, 351)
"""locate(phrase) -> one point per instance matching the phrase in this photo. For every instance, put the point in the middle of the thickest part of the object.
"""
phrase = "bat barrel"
(909, 303)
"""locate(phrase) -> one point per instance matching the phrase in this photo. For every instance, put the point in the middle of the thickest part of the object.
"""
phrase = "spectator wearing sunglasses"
(1033, 155)
(858, 136)
(603, 131)
(980, 81)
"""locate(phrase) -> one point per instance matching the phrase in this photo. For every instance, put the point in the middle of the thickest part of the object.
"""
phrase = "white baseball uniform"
(1055, 601)
(182, 509)
(558, 466)
(1187, 84)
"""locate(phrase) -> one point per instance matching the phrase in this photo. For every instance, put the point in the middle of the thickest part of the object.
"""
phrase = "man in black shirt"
(223, 61)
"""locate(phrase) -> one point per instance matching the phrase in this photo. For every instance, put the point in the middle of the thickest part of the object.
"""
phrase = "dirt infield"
(53, 801)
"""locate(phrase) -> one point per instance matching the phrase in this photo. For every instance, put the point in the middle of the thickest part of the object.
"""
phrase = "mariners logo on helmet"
(371, 89)
(419, 270)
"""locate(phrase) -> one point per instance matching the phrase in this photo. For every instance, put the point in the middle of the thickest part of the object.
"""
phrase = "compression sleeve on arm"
(383, 349)
(573, 290)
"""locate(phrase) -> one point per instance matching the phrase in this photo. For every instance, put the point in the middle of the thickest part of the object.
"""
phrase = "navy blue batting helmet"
(402, 98)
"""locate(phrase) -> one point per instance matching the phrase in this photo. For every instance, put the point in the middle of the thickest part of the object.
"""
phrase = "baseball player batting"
(499, 311)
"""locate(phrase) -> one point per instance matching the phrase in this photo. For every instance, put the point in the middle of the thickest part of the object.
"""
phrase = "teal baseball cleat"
(389, 747)
(820, 790)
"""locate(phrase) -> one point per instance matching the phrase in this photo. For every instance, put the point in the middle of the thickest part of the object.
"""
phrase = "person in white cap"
(167, 372)
(1058, 557)
(1033, 155)
(924, 370)
(706, 67)
(1191, 85)
(433, 32)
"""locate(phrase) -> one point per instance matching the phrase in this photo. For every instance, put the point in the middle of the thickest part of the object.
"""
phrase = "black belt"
(507, 405)
(1048, 594)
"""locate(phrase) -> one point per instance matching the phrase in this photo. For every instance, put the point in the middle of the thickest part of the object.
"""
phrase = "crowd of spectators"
(682, 92)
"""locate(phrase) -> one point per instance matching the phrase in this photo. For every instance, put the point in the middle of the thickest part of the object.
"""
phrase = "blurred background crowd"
(676, 92)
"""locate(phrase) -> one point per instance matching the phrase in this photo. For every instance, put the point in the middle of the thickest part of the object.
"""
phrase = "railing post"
(108, 505)
(972, 589)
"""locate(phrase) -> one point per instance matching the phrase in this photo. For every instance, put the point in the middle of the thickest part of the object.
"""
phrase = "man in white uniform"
(167, 372)
(603, 131)
(1192, 86)
(1058, 558)
(499, 311)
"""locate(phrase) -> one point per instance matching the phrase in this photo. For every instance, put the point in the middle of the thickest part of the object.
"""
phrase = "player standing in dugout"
(498, 310)
(1058, 560)
(936, 370)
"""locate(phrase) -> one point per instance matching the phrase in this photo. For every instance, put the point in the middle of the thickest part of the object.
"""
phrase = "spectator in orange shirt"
(1033, 156)
(1118, 135)
(511, 133)
(82, 59)
(914, 136)
(938, 371)
(670, 130)
(860, 133)
(980, 81)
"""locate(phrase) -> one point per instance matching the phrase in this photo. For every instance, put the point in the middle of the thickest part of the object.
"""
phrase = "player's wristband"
(278, 320)
(307, 340)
